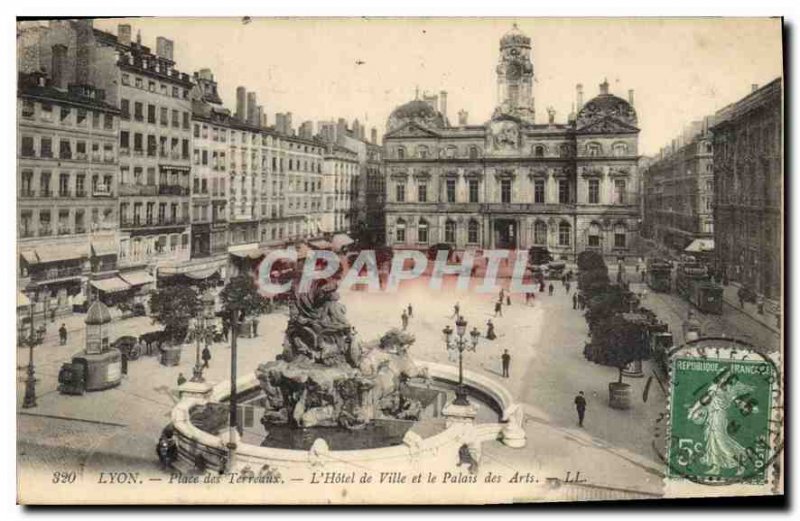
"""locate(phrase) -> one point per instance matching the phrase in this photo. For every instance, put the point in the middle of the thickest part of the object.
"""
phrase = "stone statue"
(326, 377)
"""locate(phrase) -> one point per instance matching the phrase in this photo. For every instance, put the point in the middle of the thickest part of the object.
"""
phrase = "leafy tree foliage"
(241, 295)
(616, 342)
(174, 307)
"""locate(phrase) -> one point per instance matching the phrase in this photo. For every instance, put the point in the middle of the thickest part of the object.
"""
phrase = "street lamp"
(461, 344)
(202, 331)
(32, 339)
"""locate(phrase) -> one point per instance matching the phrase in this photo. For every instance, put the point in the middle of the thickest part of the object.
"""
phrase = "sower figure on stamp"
(580, 406)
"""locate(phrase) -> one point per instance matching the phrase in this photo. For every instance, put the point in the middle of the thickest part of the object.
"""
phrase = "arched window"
(422, 232)
(450, 152)
(473, 152)
(564, 234)
(620, 236)
(620, 149)
(401, 152)
(538, 151)
(400, 231)
(540, 233)
(594, 236)
(594, 149)
(422, 151)
(450, 232)
(473, 233)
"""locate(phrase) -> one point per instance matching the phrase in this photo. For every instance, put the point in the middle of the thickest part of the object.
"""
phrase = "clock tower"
(515, 76)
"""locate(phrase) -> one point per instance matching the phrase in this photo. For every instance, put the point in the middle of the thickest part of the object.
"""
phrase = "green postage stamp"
(721, 417)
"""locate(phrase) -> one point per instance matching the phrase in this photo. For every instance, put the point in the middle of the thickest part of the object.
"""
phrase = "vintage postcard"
(399, 260)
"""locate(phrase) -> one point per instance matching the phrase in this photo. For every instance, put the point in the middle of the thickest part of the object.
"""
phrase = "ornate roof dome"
(606, 105)
(416, 110)
(97, 314)
(515, 37)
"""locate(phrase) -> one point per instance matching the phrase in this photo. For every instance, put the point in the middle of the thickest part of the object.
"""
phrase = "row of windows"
(66, 116)
(69, 149)
(173, 178)
(69, 221)
(155, 115)
(172, 213)
(563, 150)
(68, 185)
(220, 134)
(144, 247)
(155, 87)
(157, 146)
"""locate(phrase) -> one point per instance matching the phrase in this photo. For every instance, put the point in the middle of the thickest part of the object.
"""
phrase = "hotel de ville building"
(512, 182)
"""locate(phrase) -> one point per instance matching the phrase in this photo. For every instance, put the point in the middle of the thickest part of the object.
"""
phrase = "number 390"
(61, 478)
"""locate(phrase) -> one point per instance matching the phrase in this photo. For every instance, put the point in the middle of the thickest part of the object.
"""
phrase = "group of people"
(408, 312)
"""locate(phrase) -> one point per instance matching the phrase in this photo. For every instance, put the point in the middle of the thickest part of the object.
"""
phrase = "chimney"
(356, 128)
(59, 66)
(754, 87)
(289, 129)
(251, 107)
(579, 97)
(374, 136)
(604, 87)
(83, 52)
(630, 96)
(259, 115)
(341, 129)
(124, 34)
(241, 101)
(462, 117)
(264, 119)
(164, 48)
(443, 103)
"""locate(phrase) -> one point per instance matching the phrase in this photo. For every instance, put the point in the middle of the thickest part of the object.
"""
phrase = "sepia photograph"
(399, 260)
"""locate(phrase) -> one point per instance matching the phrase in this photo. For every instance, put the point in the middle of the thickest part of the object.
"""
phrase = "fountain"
(331, 399)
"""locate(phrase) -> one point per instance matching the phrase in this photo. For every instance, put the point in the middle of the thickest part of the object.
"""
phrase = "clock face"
(514, 52)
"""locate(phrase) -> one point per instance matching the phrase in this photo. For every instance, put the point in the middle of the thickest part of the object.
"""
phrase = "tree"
(174, 307)
(616, 342)
(241, 295)
(593, 282)
(602, 304)
(591, 260)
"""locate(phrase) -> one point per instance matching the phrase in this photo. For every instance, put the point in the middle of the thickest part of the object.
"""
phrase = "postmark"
(724, 424)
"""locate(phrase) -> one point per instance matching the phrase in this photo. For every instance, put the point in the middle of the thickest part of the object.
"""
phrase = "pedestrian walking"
(181, 379)
(506, 363)
(541, 286)
(490, 335)
(508, 300)
(580, 406)
(206, 356)
(643, 274)
(255, 327)
(574, 301)
(567, 286)
(502, 294)
(124, 364)
(167, 448)
(62, 334)
(550, 289)
(498, 308)
(225, 328)
(456, 310)
(404, 319)
(410, 311)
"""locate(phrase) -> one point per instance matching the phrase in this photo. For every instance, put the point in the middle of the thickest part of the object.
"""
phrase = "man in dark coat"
(506, 362)
(498, 308)
(410, 311)
(574, 301)
(62, 334)
(550, 289)
(181, 379)
(580, 406)
(206, 356)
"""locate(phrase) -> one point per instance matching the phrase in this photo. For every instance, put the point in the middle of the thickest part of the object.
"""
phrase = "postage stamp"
(722, 414)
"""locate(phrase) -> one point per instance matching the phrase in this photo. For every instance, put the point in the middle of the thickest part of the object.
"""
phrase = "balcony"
(45, 231)
(64, 193)
(173, 190)
(101, 191)
(80, 193)
(64, 230)
(27, 193)
(127, 190)
(46, 192)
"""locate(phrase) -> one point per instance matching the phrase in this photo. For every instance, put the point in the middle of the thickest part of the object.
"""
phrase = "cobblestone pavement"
(547, 369)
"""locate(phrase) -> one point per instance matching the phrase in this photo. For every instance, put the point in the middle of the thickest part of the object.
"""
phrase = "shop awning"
(22, 300)
(107, 246)
(137, 277)
(320, 244)
(201, 274)
(61, 252)
(246, 251)
(700, 245)
(340, 240)
(29, 256)
(111, 285)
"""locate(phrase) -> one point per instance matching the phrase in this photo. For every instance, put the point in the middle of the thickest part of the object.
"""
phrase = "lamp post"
(461, 344)
(202, 331)
(32, 339)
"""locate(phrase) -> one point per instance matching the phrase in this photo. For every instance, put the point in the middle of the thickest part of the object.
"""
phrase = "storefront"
(56, 275)
(203, 275)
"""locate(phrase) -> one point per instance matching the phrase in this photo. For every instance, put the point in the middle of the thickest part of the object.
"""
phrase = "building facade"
(67, 179)
(511, 182)
(340, 168)
(374, 196)
(748, 188)
(678, 188)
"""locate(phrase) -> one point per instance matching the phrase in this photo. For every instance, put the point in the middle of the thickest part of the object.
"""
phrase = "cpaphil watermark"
(282, 270)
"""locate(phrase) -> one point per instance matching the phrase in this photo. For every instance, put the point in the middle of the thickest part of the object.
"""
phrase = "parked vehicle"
(658, 275)
(693, 284)
(539, 255)
(747, 295)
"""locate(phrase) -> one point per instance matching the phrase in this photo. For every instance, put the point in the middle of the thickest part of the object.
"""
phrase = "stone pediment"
(607, 125)
(411, 130)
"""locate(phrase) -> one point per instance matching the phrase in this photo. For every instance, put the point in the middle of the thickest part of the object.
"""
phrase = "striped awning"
(29, 256)
(246, 251)
(106, 246)
(61, 252)
(110, 285)
(201, 274)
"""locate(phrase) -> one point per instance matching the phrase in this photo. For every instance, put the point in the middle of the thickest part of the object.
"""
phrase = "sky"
(680, 69)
